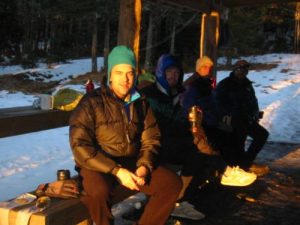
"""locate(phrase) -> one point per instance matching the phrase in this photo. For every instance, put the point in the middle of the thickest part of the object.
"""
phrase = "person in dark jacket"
(115, 138)
(178, 145)
(199, 93)
(177, 142)
(238, 108)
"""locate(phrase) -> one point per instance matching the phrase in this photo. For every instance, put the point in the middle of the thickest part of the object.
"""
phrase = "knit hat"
(241, 64)
(120, 55)
(205, 60)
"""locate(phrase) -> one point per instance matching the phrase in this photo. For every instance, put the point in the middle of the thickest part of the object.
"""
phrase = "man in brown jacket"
(115, 138)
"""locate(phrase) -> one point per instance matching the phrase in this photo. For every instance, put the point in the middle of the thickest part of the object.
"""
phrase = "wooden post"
(210, 36)
(130, 25)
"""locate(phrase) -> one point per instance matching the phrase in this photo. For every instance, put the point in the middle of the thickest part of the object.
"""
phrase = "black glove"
(226, 123)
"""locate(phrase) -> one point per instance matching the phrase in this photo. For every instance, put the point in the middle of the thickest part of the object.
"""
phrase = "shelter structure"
(209, 13)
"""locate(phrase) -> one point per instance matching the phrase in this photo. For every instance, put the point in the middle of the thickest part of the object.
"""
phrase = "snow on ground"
(34, 158)
(61, 71)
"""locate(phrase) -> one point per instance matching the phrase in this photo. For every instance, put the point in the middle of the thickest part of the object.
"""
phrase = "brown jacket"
(104, 133)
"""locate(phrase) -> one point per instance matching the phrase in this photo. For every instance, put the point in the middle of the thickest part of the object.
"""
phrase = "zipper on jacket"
(127, 122)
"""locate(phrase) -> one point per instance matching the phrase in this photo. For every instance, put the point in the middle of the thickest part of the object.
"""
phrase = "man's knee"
(263, 134)
(266, 134)
(95, 185)
(168, 179)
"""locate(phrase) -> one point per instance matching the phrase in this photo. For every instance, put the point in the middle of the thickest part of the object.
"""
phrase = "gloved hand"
(59, 189)
(202, 143)
(226, 123)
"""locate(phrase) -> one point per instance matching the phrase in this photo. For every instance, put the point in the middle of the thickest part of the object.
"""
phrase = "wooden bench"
(66, 211)
(60, 212)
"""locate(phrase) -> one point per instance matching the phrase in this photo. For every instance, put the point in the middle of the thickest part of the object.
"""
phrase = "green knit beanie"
(120, 55)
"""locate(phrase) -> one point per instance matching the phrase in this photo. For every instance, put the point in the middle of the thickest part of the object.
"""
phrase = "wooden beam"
(207, 6)
(194, 5)
(230, 3)
(210, 36)
(20, 120)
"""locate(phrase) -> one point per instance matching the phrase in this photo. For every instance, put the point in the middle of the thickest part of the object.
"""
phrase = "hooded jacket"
(105, 132)
(164, 101)
(172, 121)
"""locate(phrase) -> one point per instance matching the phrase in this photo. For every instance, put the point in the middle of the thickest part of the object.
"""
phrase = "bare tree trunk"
(94, 43)
(52, 35)
(46, 34)
(106, 43)
(297, 28)
(148, 57)
(126, 29)
(172, 45)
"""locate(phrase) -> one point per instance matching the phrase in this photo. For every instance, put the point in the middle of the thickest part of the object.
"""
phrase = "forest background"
(50, 31)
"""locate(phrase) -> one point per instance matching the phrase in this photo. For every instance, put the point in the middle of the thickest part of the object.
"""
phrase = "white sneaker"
(235, 176)
(187, 211)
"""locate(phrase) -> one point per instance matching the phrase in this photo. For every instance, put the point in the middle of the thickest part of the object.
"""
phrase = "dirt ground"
(273, 199)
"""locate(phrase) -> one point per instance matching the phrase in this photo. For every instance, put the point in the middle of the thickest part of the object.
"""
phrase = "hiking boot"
(187, 211)
(259, 170)
(235, 176)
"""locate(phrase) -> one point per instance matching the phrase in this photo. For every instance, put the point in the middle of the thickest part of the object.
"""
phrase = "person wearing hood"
(239, 112)
(178, 146)
(115, 138)
(163, 96)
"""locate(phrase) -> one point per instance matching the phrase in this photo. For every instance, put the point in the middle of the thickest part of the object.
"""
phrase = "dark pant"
(199, 166)
(235, 153)
(163, 189)
(182, 151)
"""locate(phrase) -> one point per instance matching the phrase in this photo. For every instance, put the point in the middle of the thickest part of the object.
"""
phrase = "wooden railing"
(20, 120)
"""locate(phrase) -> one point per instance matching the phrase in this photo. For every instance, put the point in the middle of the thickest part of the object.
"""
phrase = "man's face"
(122, 80)
(172, 76)
(204, 70)
(241, 72)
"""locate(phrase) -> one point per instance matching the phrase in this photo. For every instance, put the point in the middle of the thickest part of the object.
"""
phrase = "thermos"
(194, 118)
(63, 175)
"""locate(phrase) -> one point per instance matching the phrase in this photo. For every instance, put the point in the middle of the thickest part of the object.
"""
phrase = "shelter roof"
(208, 5)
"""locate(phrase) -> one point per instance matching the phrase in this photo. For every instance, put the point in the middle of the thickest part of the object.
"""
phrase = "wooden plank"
(20, 120)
